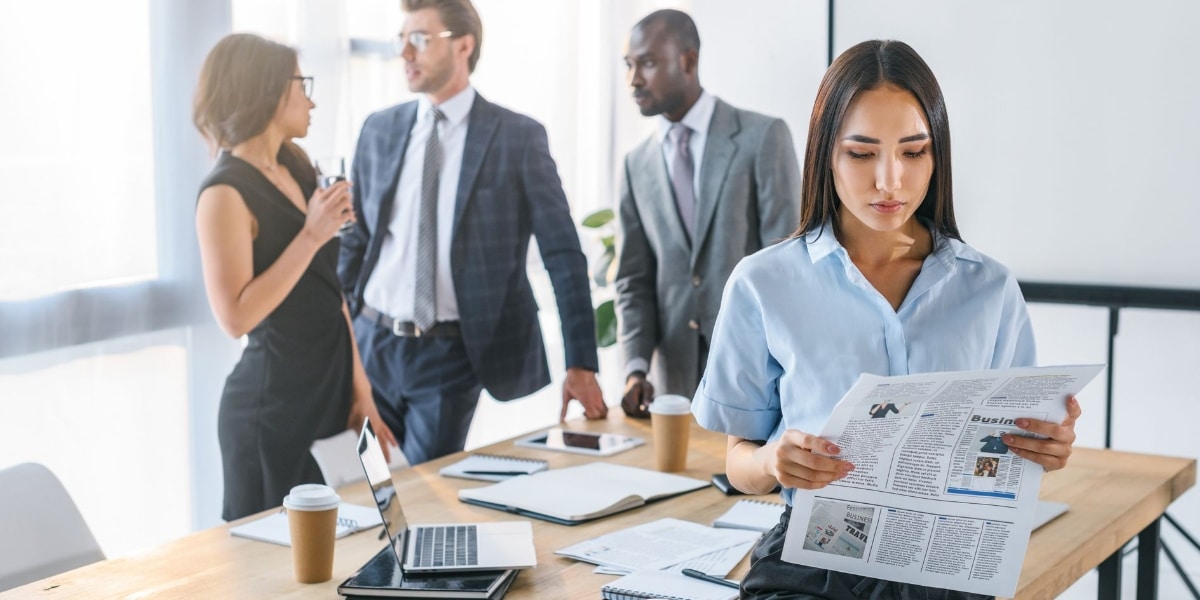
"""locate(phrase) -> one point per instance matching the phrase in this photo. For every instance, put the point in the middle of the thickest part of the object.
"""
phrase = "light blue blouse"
(799, 322)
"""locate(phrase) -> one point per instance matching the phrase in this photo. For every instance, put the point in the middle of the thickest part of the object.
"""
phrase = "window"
(77, 158)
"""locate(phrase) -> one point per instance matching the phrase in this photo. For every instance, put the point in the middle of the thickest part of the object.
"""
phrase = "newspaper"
(936, 498)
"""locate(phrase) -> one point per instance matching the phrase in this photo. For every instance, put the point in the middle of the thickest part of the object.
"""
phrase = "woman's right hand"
(328, 210)
(794, 464)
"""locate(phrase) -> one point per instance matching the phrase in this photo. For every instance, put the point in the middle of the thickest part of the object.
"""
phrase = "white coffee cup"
(312, 520)
(671, 420)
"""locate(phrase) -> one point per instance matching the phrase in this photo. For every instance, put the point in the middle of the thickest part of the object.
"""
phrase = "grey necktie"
(425, 300)
(682, 173)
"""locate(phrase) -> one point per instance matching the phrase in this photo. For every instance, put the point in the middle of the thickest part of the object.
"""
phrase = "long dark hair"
(241, 83)
(867, 66)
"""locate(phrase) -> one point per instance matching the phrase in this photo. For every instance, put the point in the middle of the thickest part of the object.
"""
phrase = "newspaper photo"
(936, 497)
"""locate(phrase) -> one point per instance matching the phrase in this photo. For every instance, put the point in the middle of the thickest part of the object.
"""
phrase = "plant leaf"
(598, 219)
(606, 324)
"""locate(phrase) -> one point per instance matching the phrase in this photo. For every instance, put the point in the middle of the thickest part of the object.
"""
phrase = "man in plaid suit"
(440, 317)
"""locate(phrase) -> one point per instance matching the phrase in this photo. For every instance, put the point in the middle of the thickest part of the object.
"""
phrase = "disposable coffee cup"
(671, 420)
(312, 511)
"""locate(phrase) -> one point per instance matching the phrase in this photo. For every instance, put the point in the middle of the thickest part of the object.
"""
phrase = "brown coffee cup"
(671, 421)
(312, 520)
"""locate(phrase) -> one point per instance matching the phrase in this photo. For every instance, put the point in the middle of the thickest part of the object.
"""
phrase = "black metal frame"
(1114, 298)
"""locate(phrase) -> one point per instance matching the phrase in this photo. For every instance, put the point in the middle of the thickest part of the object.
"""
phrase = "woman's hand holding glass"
(1052, 453)
(328, 209)
(792, 461)
(331, 170)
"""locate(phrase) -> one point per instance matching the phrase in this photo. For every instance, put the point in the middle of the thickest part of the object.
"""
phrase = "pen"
(495, 473)
(709, 578)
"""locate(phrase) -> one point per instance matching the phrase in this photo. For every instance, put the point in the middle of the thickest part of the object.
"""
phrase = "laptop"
(441, 548)
(1047, 511)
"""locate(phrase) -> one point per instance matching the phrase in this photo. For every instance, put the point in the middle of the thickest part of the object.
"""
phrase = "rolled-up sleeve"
(739, 394)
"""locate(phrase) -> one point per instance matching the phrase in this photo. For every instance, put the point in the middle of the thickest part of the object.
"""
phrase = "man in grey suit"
(448, 190)
(713, 184)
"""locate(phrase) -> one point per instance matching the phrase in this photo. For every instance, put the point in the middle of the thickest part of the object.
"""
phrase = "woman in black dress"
(269, 254)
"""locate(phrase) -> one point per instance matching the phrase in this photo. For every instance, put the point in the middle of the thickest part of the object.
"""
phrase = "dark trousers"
(770, 578)
(424, 388)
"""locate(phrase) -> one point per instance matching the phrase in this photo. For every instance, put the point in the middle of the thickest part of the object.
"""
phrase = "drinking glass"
(330, 170)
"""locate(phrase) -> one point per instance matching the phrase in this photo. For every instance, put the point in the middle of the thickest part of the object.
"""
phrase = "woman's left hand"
(1052, 453)
(364, 407)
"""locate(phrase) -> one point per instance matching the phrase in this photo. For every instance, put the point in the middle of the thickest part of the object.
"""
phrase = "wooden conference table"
(1114, 496)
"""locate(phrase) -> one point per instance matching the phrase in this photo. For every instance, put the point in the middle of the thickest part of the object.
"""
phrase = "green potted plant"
(603, 271)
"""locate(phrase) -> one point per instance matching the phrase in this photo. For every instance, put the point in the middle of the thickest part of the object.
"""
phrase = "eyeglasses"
(419, 39)
(306, 82)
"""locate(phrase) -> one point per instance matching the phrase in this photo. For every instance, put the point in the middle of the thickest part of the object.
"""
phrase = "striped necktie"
(425, 300)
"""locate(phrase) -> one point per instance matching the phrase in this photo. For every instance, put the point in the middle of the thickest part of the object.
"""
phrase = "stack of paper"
(665, 544)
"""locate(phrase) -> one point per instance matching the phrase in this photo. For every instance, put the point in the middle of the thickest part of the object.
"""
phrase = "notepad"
(273, 528)
(575, 494)
(755, 515)
(493, 467)
(663, 584)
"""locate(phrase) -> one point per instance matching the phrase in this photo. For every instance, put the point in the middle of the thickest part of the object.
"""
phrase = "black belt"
(410, 329)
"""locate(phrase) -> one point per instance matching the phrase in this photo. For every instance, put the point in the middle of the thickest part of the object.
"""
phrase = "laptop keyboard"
(449, 546)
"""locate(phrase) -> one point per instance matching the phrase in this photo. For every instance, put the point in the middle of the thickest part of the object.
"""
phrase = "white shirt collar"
(697, 118)
(456, 108)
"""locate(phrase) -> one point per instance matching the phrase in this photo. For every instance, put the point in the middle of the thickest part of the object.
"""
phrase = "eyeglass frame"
(404, 40)
(306, 84)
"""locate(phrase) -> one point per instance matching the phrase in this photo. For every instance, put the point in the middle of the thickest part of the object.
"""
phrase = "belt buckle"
(396, 330)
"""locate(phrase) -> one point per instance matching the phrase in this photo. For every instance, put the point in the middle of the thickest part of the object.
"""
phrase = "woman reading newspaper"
(876, 279)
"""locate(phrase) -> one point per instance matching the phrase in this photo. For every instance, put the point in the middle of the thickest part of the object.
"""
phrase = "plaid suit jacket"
(508, 191)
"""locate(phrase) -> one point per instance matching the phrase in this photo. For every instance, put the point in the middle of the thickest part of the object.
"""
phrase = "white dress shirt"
(392, 286)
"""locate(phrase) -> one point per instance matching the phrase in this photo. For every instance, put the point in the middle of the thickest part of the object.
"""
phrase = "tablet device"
(580, 442)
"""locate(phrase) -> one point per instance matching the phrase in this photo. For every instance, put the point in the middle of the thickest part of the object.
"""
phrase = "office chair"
(44, 534)
(337, 457)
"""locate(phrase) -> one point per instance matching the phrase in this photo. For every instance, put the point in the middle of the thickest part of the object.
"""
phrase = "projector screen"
(1075, 129)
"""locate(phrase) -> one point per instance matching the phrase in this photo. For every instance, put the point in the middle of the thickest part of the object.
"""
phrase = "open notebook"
(575, 494)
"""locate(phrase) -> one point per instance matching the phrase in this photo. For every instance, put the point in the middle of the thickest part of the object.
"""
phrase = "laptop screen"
(379, 477)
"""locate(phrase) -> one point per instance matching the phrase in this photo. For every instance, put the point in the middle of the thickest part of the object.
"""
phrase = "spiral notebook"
(755, 515)
(273, 528)
(664, 584)
(493, 467)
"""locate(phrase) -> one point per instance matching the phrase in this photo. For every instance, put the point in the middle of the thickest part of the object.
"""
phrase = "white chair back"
(43, 532)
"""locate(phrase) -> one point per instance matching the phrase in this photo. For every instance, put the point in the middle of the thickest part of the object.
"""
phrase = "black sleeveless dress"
(293, 382)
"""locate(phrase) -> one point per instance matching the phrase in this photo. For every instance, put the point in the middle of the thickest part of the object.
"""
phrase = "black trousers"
(770, 578)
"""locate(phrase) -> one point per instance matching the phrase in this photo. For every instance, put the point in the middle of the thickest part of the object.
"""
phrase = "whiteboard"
(1075, 129)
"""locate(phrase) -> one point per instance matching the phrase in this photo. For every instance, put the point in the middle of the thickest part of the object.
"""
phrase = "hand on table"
(638, 394)
(581, 385)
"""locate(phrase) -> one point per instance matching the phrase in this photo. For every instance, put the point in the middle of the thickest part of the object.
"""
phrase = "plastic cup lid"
(311, 496)
(670, 404)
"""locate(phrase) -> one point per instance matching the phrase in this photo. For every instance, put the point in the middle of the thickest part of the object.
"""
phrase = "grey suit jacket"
(668, 290)
(508, 191)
